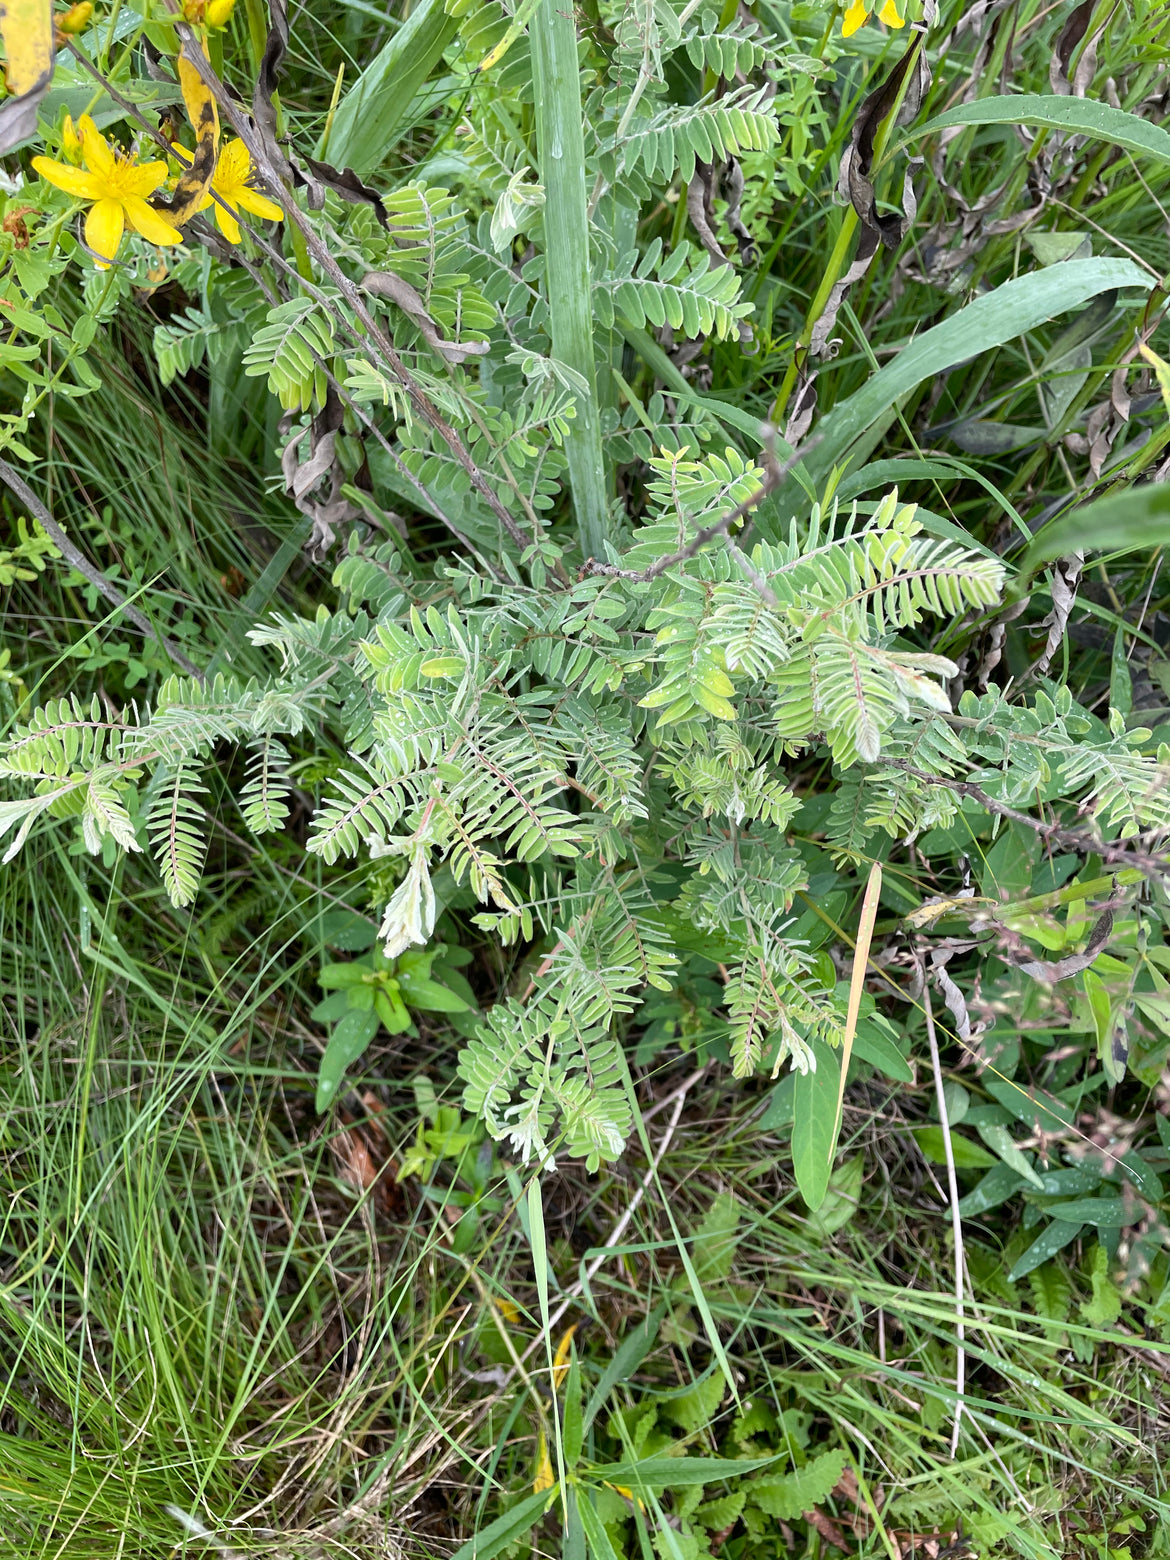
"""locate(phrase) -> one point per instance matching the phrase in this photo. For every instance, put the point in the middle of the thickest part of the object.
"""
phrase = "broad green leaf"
(507, 1529)
(596, 1538)
(1077, 116)
(1120, 680)
(789, 1497)
(1129, 521)
(675, 1473)
(1046, 1245)
(351, 1035)
(349, 931)
(629, 1355)
(429, 996)
(968, 1154)
(815, 1124)
(996, 1187)
(989, 321)
(1048, 1114)
(572, 1423)
(560, 143)
(1000, 1141)
(573, 1547)
(1110, 1212)
(337, 977)
(875, 1045)
(841, 1200)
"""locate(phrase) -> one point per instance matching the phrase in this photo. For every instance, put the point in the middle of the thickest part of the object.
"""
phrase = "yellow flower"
(856, 16)
(76, 18)
(230, 184)
(118, 187)
(219, 12)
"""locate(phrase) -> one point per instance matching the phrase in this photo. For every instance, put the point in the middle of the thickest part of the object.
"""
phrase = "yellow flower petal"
(153, 226)
(103, 229)
(225, 220)
(856, 16)
(85, 186)
(142, 178)
(889, 15)
(182, 155)
(259, 205)
(233, 167)
(99, 158)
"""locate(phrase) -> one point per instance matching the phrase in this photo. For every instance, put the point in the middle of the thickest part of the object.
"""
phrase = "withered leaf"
(386, 285)
(909, 80)
(1061, 969)
(345, 182)
(1070, 36)
(267, 81)
(26, 27)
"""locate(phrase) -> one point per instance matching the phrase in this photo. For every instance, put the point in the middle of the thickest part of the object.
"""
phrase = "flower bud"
(76, 19)
(70, 142)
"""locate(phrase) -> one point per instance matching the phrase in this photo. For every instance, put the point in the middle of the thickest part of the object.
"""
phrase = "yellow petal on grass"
(544, 1479)
(70, 142)
(153, 226)
(856, 16)
(104, 227)
(889, 15)
(560, 1368)
(85, 186)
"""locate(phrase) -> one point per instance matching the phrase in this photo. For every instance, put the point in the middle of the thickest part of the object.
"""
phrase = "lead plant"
(598, 731)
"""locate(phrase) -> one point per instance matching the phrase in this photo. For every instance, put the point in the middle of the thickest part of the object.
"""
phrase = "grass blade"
(561, 146)
(374, 113)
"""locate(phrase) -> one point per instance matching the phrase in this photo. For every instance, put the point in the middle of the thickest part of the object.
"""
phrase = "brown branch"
(426, 409)
(81, 563)
(1054, 833)
(774, 475)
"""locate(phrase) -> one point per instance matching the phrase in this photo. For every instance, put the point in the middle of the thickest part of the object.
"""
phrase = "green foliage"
(529, 727)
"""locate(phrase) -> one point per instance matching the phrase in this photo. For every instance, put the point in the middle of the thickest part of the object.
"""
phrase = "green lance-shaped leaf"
(1073, 115)
(561, 148)
(997, 317)
(377, 110)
